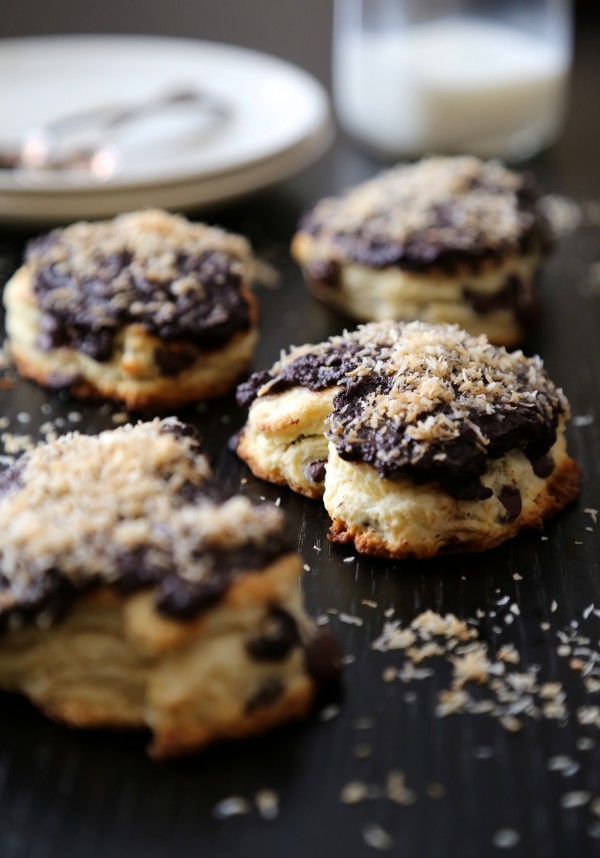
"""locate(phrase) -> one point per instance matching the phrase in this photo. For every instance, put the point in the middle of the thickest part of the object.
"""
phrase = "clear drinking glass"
(486, 77)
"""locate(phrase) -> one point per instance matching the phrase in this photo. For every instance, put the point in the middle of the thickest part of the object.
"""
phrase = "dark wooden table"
(65, 794)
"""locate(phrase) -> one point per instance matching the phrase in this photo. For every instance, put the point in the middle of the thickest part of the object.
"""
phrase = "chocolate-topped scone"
(136, 592)
(148, 309)
(451, 239)
(422, 438)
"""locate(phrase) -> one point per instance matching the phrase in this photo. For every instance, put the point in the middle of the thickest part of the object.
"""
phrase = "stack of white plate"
(277, 122)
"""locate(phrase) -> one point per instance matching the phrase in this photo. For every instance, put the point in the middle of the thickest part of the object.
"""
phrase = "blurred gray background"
(300, 31)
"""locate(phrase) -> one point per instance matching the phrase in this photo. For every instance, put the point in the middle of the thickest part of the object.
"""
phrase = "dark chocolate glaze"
(175, 595)
(464, 460)
(372, 245)
(314, 371)
(85, 313)
(51, 597)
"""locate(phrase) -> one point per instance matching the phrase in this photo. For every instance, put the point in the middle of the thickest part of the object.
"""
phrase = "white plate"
(280, 122)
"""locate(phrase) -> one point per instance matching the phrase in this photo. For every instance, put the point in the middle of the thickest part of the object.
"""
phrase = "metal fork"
(47, 147)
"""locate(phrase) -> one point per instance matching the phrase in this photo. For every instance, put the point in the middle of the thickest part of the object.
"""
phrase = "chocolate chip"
(323, 658)
(315, 471)
(268, 693)
(172, 360)
(543, 466)
(280, 635)
(510, 498)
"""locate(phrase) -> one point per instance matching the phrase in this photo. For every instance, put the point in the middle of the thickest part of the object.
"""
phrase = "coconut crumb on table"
(376, 837)
(506, 838)
(267, 803)
(581, 420)
(350, 619)
(509, 695)
(235, 805)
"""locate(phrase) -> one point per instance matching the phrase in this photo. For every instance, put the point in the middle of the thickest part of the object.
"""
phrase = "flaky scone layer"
(132, 374)
(113, 661)
(375, 294)
(285, 436)
(399, 519)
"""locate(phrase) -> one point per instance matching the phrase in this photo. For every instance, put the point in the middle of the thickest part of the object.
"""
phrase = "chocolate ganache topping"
(441, 211)
(425, 402)
(179, 281)
(131, 508)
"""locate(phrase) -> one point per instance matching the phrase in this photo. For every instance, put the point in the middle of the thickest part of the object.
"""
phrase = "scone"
(148, 309)
(452, 240)
(136, 592)
(421, 438)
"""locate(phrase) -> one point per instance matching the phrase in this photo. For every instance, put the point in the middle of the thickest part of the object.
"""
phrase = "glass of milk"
(486, 77)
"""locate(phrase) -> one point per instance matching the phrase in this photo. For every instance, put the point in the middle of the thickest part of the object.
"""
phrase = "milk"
(458, 84)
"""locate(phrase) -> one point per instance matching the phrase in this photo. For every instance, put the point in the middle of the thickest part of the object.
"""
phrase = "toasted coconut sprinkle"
(412, 390)
(150, 237)
(78, 505)
(456, 203)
